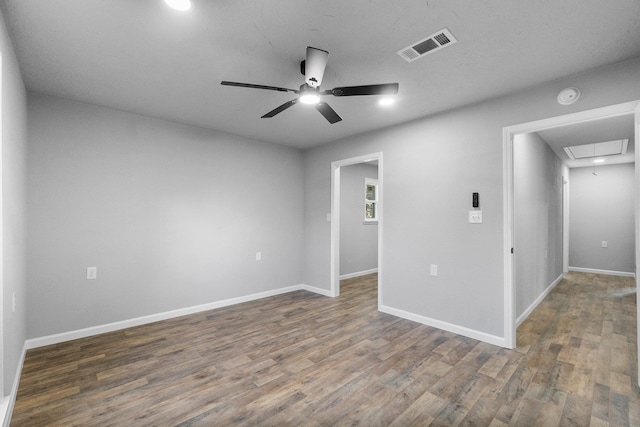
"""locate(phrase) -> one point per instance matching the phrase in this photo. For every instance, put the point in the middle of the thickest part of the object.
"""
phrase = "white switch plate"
(328, 217)
(258, 256)
(92, 273)
(605, 244)
(434, 270)
(475, 217)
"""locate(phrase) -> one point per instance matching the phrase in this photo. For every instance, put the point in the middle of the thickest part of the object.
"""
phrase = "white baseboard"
(7, 405)
(115, 326)
(325, 292)
(538, 300)
(598, 271)
(456, 329)
(358, 274)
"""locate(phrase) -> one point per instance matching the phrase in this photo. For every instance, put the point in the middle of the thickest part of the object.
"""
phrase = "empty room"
(319, 213)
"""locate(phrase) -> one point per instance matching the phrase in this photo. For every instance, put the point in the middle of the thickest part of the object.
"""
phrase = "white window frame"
(367, 183)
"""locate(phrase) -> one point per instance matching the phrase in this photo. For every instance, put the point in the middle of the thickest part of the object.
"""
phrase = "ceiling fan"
(309, 93)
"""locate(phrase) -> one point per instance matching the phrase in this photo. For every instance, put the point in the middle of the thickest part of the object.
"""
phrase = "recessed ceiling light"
(179, 4)
(386, 102)
(598, 161)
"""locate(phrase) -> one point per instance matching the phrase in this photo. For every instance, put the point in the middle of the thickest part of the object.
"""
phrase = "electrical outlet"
(605, 244)
(92, 273)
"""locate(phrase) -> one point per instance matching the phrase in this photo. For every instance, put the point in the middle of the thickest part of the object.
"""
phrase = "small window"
(370, 200)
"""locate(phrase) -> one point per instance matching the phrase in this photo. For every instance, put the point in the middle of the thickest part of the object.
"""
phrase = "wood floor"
(302, 359)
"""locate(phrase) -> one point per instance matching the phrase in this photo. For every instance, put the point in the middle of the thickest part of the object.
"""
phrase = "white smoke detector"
(568, 96)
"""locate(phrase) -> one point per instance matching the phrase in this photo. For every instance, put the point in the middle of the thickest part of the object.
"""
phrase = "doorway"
(358, 220)
(508, 194)
(335, 216)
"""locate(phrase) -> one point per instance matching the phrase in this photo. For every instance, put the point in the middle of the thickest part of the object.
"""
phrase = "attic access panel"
(599, 149)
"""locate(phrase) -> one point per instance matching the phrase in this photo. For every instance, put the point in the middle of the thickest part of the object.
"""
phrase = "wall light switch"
(92, 273)
(328, 217)
(605, 244)
(434, 270)
(258, 256)
(475, 217)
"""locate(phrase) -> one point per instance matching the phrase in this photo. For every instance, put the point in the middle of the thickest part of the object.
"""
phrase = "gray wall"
(446, 157)
(538, 218)
(14, 149)
(358, 241)
(171, 215)
(602, 208)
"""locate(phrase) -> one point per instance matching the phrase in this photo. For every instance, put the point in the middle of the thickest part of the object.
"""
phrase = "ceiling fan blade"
(315, 65)
(381, 89)
(252, 86)
(328, 112)
(280, 109)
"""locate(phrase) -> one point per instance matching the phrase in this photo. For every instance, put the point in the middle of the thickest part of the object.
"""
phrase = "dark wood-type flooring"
(301, 359)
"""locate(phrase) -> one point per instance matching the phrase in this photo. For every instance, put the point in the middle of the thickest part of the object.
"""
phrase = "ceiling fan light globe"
(179, 4)
(310, 98)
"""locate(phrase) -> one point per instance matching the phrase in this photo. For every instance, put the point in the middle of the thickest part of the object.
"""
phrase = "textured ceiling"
(143, 57)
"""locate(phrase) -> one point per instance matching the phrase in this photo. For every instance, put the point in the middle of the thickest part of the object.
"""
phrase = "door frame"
(508, 134)
(2, 285)
(335, 218)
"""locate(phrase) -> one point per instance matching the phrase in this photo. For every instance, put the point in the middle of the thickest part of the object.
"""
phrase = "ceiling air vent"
(427, 45)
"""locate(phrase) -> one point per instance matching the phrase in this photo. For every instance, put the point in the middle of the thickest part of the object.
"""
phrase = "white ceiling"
(591, 132)
(143, 57)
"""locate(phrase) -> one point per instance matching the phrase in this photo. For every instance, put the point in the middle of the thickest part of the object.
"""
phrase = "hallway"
(581, 353)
